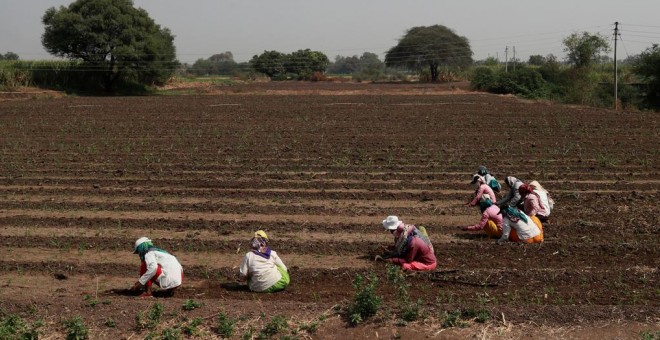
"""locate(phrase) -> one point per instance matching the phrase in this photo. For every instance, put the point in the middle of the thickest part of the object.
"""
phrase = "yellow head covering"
(261, 234)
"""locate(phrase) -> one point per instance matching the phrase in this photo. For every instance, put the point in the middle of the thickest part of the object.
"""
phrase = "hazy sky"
(350, 27)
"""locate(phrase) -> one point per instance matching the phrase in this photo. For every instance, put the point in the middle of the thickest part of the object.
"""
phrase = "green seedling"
(191, 304)
(75, 329)
(366, 301)
(225, 326)
(276, 325)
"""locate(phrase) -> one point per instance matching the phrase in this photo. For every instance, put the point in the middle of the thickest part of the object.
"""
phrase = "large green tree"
(9, 56)
(221, 63)
(301, 63)
(583, 50)
(431, 47)
(344, 65)
(114, 40)
(270, 63)
(305, 62)
(647, 67)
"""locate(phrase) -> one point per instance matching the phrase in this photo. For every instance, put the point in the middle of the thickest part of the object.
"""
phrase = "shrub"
(75, 329)
(483, 78)
(14, 327)
(12, 76)
(526, 82)
(366, 302)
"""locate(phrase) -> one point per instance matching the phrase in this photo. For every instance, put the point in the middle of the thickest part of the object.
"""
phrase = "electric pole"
(514, 59)
(616, 74)
(506, 59)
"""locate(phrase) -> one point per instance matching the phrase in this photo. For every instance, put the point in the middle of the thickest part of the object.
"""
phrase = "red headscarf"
(525, 189)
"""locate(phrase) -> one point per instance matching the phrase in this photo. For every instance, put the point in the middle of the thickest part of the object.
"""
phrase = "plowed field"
(319, 167)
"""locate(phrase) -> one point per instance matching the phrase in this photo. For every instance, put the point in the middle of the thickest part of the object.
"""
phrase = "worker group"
(518, 216)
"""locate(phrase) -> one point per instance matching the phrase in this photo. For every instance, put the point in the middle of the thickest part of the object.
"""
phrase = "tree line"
(113, 46)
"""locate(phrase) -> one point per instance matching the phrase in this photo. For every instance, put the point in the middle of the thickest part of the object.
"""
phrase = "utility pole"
(514, 59)
(506, 59)
(616, 74)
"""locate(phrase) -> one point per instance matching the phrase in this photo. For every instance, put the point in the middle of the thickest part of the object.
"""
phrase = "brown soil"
(318, 166)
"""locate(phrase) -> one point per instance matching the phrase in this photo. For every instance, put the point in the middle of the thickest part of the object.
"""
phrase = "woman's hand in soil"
(137, 286)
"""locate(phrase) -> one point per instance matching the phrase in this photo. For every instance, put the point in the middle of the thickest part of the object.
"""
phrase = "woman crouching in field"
(518, 227)
(480, 189)
(412, 248)
(263, 268)
(157, 266)
(491, 219)
(537, 201)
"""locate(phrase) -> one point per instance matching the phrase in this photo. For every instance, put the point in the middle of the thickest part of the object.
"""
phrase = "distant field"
(318, 166)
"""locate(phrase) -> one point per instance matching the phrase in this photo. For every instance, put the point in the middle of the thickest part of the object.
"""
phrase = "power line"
(643, 36)
(624, 46)
(644, 32)
(650, 26)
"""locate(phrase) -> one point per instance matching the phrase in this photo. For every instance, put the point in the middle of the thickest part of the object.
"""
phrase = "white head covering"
(139, 242)
(391, 222)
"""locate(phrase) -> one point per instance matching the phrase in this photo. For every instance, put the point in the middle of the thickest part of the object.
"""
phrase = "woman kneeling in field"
(518, 227)
(412, 248)
(263, 269)
(157, 266)
(480, 189)
(491, 219)
(537, 201)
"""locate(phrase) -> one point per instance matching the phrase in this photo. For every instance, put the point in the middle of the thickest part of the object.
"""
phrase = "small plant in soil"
(226, 325)
(151, 319)
(606, 160)
(309, 327)
(110, 323)
(170, 334)
(92, 302)
(366, 301)
(452, 319)
(649, 335)
(276, 325)
(14, 327)
(75, 329)
(191, 328)
(248, 334)
(191, 304)
(410, 311)
(480, 316)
